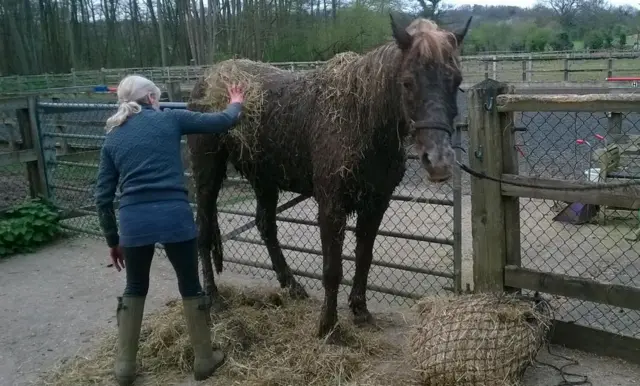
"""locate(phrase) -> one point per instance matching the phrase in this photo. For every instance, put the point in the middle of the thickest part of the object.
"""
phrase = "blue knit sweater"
(143, 155)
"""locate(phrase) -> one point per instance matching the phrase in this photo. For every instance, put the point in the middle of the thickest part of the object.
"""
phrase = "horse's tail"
(209, 168)
(208, 157)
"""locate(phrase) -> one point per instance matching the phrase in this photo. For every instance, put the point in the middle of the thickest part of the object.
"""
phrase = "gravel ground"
(75, 299)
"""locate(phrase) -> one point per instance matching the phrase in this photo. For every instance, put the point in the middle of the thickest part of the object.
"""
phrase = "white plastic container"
(593, 174)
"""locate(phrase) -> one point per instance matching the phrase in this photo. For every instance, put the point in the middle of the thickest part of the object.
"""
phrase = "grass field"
(580, 71)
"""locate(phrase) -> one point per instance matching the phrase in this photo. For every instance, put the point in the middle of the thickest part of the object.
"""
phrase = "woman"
(142, 152)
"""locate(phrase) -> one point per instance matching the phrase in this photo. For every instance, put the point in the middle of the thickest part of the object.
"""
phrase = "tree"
(561, 42)
(566, 10)
(431, 9)
(594, 40)
(622, 40)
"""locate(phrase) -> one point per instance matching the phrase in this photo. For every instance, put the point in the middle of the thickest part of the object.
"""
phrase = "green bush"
(27, 226)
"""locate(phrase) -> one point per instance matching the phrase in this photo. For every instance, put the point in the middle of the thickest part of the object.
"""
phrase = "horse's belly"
(293, 174)
(301, 186)
(288, 175)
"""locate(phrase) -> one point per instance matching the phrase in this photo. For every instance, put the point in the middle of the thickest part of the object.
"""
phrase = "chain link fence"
(413, 254)
(13, 173)
(602, 246)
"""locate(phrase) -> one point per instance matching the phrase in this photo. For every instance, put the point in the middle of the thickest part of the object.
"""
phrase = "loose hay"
(479, 339)
(269, 340)
(252, 76)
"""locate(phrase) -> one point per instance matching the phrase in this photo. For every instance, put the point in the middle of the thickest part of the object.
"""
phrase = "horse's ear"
(463, 32)
(400, 34)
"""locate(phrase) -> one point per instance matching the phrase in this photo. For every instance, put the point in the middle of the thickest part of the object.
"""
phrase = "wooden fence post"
(36, 170)
(494, 65)
(174, 91)
(492, 151)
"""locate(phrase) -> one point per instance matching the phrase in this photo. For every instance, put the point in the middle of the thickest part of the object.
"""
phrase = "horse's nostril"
(425, 159)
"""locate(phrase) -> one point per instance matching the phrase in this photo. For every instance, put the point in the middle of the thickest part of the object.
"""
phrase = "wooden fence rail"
(496, 208)
(557, 67)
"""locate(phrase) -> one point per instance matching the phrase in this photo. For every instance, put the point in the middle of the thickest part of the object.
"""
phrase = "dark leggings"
(183, 256)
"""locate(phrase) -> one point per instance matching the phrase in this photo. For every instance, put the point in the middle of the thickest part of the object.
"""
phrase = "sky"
(528, 3)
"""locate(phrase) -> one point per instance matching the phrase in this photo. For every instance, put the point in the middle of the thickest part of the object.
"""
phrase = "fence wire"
(606, 247)
(409, 260)
(13, 175)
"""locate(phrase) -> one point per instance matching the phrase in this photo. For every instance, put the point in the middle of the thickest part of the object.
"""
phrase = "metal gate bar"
(395, 197)
(317, 276)
(379, 263)
(397, 235)
(245, 227)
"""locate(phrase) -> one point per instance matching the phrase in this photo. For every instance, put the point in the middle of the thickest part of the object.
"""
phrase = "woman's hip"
(157, 222)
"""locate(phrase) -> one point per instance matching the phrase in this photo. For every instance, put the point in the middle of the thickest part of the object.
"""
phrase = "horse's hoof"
(327, 330)
(297, 291)
(333, 336)
(218, 304)
(363, 318)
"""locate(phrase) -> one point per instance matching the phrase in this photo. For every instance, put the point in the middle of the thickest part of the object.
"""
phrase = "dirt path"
(55, 300)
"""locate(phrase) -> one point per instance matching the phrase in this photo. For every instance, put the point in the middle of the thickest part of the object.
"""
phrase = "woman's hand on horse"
(236, 93)
(116, 257)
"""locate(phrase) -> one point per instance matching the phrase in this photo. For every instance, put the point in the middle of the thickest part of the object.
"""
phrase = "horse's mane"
(362, 91)
(431, 42)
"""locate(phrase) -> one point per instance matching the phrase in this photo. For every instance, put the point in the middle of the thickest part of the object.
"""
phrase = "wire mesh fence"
(587, 241)
(413, 254)
(13, 173)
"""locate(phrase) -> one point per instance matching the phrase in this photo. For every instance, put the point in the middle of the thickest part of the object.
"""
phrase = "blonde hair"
(133, 90)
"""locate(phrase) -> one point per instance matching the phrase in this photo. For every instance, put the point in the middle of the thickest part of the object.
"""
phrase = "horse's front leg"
(367, 226)
(267, 201)
(332, 222)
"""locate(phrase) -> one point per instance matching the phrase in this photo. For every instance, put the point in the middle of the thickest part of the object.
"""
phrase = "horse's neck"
(384, 63)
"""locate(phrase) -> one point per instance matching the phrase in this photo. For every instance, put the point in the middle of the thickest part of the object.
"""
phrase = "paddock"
(425, 243)
(75, 303)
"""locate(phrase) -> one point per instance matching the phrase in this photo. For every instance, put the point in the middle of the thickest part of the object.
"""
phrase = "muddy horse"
(336, 134)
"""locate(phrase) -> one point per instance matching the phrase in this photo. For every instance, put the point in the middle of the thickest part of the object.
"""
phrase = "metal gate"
(417, 251)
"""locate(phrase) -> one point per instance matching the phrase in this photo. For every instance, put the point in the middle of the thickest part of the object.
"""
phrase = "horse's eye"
(407, 85)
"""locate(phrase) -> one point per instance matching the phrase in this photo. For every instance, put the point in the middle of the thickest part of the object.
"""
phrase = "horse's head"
(430, 76)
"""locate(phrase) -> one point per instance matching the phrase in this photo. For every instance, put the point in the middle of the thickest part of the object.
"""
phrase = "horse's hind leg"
(367, 225)
(333, 221)
(267, 201)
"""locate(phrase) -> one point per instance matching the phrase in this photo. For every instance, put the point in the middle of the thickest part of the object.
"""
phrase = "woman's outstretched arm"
(105, 189)
(193, 122)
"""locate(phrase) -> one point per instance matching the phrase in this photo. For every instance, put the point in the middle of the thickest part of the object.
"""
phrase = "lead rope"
(541, 304)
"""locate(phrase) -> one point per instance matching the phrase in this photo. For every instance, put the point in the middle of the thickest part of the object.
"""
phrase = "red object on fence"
(623, 79)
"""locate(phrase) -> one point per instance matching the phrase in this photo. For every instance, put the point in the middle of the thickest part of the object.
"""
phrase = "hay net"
(477, 339)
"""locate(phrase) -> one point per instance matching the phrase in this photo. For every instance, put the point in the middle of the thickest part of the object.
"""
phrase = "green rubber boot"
(206, 360)
(129, 317)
